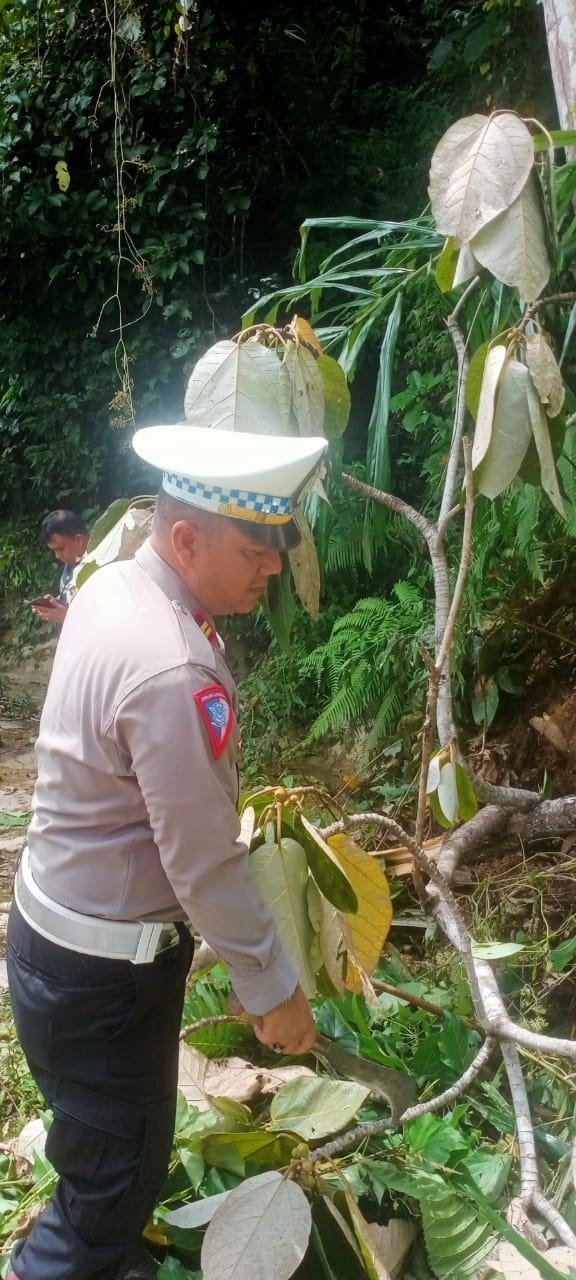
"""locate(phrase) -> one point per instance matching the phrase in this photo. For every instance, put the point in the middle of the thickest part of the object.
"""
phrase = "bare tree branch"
(420, 521)
(529, 1180)
(541, 1205)
(510, 797)
(486, 823)
(445, 1099)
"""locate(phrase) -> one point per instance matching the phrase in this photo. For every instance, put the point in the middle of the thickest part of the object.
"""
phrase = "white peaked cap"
(254, 478)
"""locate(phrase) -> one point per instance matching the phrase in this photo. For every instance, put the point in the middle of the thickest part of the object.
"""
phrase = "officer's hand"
(289, 1026)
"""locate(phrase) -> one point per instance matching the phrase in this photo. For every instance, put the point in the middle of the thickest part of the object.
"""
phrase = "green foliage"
(19, 1096)
(208, 998)
(371, 664)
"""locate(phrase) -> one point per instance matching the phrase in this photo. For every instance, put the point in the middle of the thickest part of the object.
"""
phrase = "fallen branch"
(445, 1099)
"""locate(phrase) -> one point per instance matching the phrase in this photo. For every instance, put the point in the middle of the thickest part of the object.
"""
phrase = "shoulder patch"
(218, 716)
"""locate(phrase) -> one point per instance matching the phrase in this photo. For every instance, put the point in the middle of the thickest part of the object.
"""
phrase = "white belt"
(92, 936)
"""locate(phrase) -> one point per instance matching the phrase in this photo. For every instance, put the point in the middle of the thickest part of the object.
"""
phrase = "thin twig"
(537, 306)
(465, 557)
(453, 326)
(420, 521)
(350, 821)
(212, 1022)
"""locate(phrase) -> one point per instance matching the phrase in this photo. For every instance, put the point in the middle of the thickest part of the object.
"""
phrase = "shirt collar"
(164, 576)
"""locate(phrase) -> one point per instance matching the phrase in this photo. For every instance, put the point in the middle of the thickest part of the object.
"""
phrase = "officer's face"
(224, 567)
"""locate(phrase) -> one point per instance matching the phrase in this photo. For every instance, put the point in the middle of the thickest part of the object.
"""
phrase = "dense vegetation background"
(155, 165)
(227, 135)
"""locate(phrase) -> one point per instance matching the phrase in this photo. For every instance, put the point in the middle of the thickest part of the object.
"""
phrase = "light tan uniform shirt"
(134, 814)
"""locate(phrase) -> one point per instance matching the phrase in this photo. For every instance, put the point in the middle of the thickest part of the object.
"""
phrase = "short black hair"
(62, 522)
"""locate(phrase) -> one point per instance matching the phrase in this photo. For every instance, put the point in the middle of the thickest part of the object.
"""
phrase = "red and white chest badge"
(218, 716)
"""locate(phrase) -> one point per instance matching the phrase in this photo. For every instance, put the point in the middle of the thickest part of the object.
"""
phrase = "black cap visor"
(279, 537)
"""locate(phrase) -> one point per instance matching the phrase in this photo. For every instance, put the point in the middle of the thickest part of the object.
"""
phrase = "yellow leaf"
(305, 333)
(154, 1233)
(62, 175)
(370, 925)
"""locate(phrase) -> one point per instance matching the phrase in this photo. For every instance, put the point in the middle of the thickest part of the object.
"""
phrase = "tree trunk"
(560, 19)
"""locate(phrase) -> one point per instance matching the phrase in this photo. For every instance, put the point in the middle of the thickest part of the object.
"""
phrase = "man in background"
(64, 533)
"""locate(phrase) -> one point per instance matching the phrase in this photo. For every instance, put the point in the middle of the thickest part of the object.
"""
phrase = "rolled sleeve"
(190, 796)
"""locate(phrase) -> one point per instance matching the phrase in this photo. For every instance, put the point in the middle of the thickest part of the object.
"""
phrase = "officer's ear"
(185, 538)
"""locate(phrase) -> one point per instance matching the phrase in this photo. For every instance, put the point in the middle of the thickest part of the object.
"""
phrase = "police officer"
(135, 831)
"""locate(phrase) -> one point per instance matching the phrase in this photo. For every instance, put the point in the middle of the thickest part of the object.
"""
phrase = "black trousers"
(101, 1040)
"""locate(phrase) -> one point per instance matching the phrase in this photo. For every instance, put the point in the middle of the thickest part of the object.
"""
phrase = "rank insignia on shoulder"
(218, 716)
(202, 620)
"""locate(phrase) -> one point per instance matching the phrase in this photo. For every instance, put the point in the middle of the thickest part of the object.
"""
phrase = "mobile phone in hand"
(42, 602)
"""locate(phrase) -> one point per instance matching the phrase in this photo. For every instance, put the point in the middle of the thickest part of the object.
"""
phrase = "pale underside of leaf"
(433, 775)
(466, 266)
(513, 246)
(235, 387)
(281, 873)
(327, 923)
(260, 1231)
(511, 433)
(307, 390)
(305, 568)
(478, 169)
(493, 367)
(315, 1108)
(545, 373)
(120, 543)
(541, 432)
(448, 792)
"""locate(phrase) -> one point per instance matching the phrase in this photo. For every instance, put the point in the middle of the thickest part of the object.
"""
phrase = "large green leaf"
(235, 387)
(511, 432)
(324, 866)
(478, 169)
(513, 246)
(272, 1150)
(446, 265)
(281, 873)
(336, 396)
(457, 1238)
(378, 455)
(475, 377)
(314, 1108)
(279, 605)
(262, 1229)
(106, 521)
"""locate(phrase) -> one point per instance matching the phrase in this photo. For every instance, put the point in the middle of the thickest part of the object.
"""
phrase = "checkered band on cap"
(213, 496)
